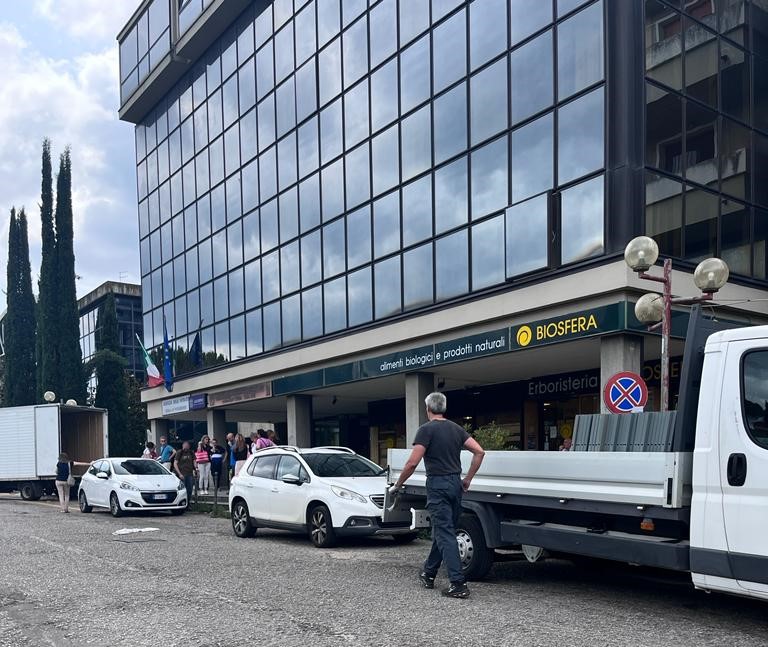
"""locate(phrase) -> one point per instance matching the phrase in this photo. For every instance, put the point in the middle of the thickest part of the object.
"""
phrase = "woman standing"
(240, 452)
(203, 461)
(65, 479)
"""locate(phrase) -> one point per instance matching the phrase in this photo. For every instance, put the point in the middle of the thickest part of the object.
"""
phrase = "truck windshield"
(340, 465)
(138, 467)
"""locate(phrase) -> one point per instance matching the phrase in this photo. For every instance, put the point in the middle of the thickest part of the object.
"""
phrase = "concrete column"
(417, 387)
(619, 353)
(216, 420)
(299, 420)
(157, 427)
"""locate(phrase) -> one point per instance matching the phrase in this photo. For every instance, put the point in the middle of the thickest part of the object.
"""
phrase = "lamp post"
(656, 310)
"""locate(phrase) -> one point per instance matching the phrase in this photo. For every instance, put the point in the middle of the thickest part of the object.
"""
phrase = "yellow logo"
(524, 335)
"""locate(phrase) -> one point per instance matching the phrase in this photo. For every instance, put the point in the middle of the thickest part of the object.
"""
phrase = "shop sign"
(407, 360)
(464, 348)
(243, 394)
(585, 323)
(566, 384)
(198, 401)
(172, 406)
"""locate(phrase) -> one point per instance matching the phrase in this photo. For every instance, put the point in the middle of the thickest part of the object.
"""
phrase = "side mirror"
(292, 479)
(102, 475)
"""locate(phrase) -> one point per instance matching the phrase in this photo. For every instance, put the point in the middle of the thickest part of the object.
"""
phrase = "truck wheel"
(476, 557)
(114, 506)
(30, 491)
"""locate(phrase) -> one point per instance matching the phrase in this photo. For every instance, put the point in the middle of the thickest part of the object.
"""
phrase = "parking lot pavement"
(67, 580)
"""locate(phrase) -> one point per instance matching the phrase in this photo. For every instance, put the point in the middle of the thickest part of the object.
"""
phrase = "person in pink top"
(263, 440)
(203, 462)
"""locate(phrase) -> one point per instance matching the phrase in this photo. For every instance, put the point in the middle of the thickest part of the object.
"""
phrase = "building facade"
(352, 202)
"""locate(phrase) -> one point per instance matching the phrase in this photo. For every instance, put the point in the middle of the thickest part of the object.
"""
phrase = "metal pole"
(666, 328)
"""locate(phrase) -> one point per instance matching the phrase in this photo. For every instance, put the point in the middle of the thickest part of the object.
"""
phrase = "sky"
(59, 79)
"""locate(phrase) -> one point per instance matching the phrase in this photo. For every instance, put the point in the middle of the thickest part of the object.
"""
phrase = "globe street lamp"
(654, 309)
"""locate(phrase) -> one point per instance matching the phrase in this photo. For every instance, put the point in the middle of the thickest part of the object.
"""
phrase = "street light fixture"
(710, 275)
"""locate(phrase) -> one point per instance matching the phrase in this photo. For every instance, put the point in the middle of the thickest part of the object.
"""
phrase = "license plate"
(159, 497)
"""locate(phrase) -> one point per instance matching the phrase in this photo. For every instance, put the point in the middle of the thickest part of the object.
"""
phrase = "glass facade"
(707, 130)
(144, 46)
(329, 164)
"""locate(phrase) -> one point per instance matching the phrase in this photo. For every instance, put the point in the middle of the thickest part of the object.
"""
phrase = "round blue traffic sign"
(625, 393)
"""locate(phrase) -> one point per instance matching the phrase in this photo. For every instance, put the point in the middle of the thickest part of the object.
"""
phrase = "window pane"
(328, 24)
(451, 195)
(335, 305)
(312, 312)
(735, 248)
(270, 276)
(526, 17)
(331, 132)
(235, 244)
(286, 107)
(356, 114)
(272, 326)
(286, 155)
(383, 28)
(418, 271)
(386, 225)
(355, 51)
(414, 74)
(384, 96)
(701, 60)
(309, 202)
(359, 237)
(329, 72)
(582, 221)
(334, 246)
(527, 236)
(663, 130)
(284, 63)
(414, 19)
(488, 93)
(306, 41)
(664, 213)
(452, 273)
(701, 211)
(289, 267)
(247, 83)
(359, 294)
(488, 253)
(580, 51)
(309, 148)
(220, 298)
(386, 278)
(487, 30)
(248, 138)
(532, 164)
(333, 190)
(417, 211)
(292, 319)
(416, 146)
(358, 169)
(269, 226)
(251, 236)
(451, 123)
(531, 71)
(755, 394)
(289, 216)
(450, 50)
(265, 77)
(700, 141)
(663, 44)
(253, 333)
(311, 261)
(442, 7)
(306, 91)
(266, 122)
(580, 137)
(490, 172)
(734, 159)
(236, 292)
(385, 154)
(268, 174)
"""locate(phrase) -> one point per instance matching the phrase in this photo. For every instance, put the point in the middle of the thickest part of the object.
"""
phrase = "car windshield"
(138, 467)
(339, 465)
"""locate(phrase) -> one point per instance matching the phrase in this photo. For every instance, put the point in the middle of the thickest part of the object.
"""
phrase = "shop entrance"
(558, 417)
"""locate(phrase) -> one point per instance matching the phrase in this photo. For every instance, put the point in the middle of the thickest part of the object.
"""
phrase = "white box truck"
(32, 438)
(685, 490)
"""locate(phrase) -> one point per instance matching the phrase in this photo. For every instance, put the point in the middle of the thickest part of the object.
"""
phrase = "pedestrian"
(240, 453)
(65, 479)
(231, 452)
(252, 442)
(149, 451)
(439, 442)
(272, 435)
(203, 463)
(166, 453)
(263, 441)
(185, 467)
(217, 460)
(567, 445)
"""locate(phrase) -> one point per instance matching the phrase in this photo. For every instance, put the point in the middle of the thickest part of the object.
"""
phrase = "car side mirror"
(292, 479)
(102, 475)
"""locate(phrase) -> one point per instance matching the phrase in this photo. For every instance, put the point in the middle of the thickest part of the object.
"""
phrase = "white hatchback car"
(123, 484)
(327, 492)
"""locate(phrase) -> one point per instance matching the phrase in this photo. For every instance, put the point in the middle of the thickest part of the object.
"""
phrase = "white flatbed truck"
(697, 503)
(32, 438)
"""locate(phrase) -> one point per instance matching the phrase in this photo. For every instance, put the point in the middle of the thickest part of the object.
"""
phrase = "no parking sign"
(625, 393)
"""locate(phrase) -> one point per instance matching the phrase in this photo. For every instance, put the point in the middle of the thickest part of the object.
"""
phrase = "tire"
(30, 491)
(83, 502)
(476, 557)
(114, 506)
(321, 531)
(405, 539)
(242, 525)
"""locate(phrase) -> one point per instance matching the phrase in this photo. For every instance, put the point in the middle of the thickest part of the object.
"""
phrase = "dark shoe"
(457, 591)
(427, 581)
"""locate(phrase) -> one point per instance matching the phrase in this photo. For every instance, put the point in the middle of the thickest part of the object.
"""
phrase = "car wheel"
(406, 538)
(476, 557)
(84, 507)
(114, 506)
(241, 520)
(321, 530)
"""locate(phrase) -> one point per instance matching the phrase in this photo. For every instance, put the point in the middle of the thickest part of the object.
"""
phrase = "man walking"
(186, 468)
(439, 442)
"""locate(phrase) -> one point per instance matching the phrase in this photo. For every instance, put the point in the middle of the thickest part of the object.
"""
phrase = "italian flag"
(153, 375)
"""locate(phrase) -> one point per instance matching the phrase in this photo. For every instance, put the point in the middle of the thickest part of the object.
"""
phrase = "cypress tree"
(47, 334)
(70, 359)
(20, 372)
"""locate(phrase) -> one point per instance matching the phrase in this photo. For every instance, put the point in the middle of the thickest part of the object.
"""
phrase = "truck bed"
(638, 478)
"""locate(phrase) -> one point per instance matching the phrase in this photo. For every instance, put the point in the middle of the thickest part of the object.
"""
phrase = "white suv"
(327, 492)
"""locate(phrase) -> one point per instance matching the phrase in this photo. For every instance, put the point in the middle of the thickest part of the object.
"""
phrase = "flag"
(196, 352)
(153, 375)
(167, 360)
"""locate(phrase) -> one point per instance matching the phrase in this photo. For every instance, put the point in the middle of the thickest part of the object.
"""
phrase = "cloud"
(87, 19)
(73, 101)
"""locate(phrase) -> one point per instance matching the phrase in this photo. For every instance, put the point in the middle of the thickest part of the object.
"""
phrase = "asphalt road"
(66, 580)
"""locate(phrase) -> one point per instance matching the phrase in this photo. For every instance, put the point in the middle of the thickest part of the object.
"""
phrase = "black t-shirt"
(443, 441)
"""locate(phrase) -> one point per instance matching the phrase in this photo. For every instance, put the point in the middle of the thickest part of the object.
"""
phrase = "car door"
(257, 486)
(99, 486)
(744, 463)
(289, 500)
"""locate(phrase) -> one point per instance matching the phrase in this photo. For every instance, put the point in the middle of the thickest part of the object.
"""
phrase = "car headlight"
(181, 486)
(129, 486)
(349, 495)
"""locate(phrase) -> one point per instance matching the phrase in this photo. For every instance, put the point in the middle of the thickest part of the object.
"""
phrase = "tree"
(47, 331)
(137, 416)
(20, 371)
(72, 377)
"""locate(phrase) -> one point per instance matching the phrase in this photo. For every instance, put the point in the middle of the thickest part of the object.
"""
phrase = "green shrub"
(492, 437)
